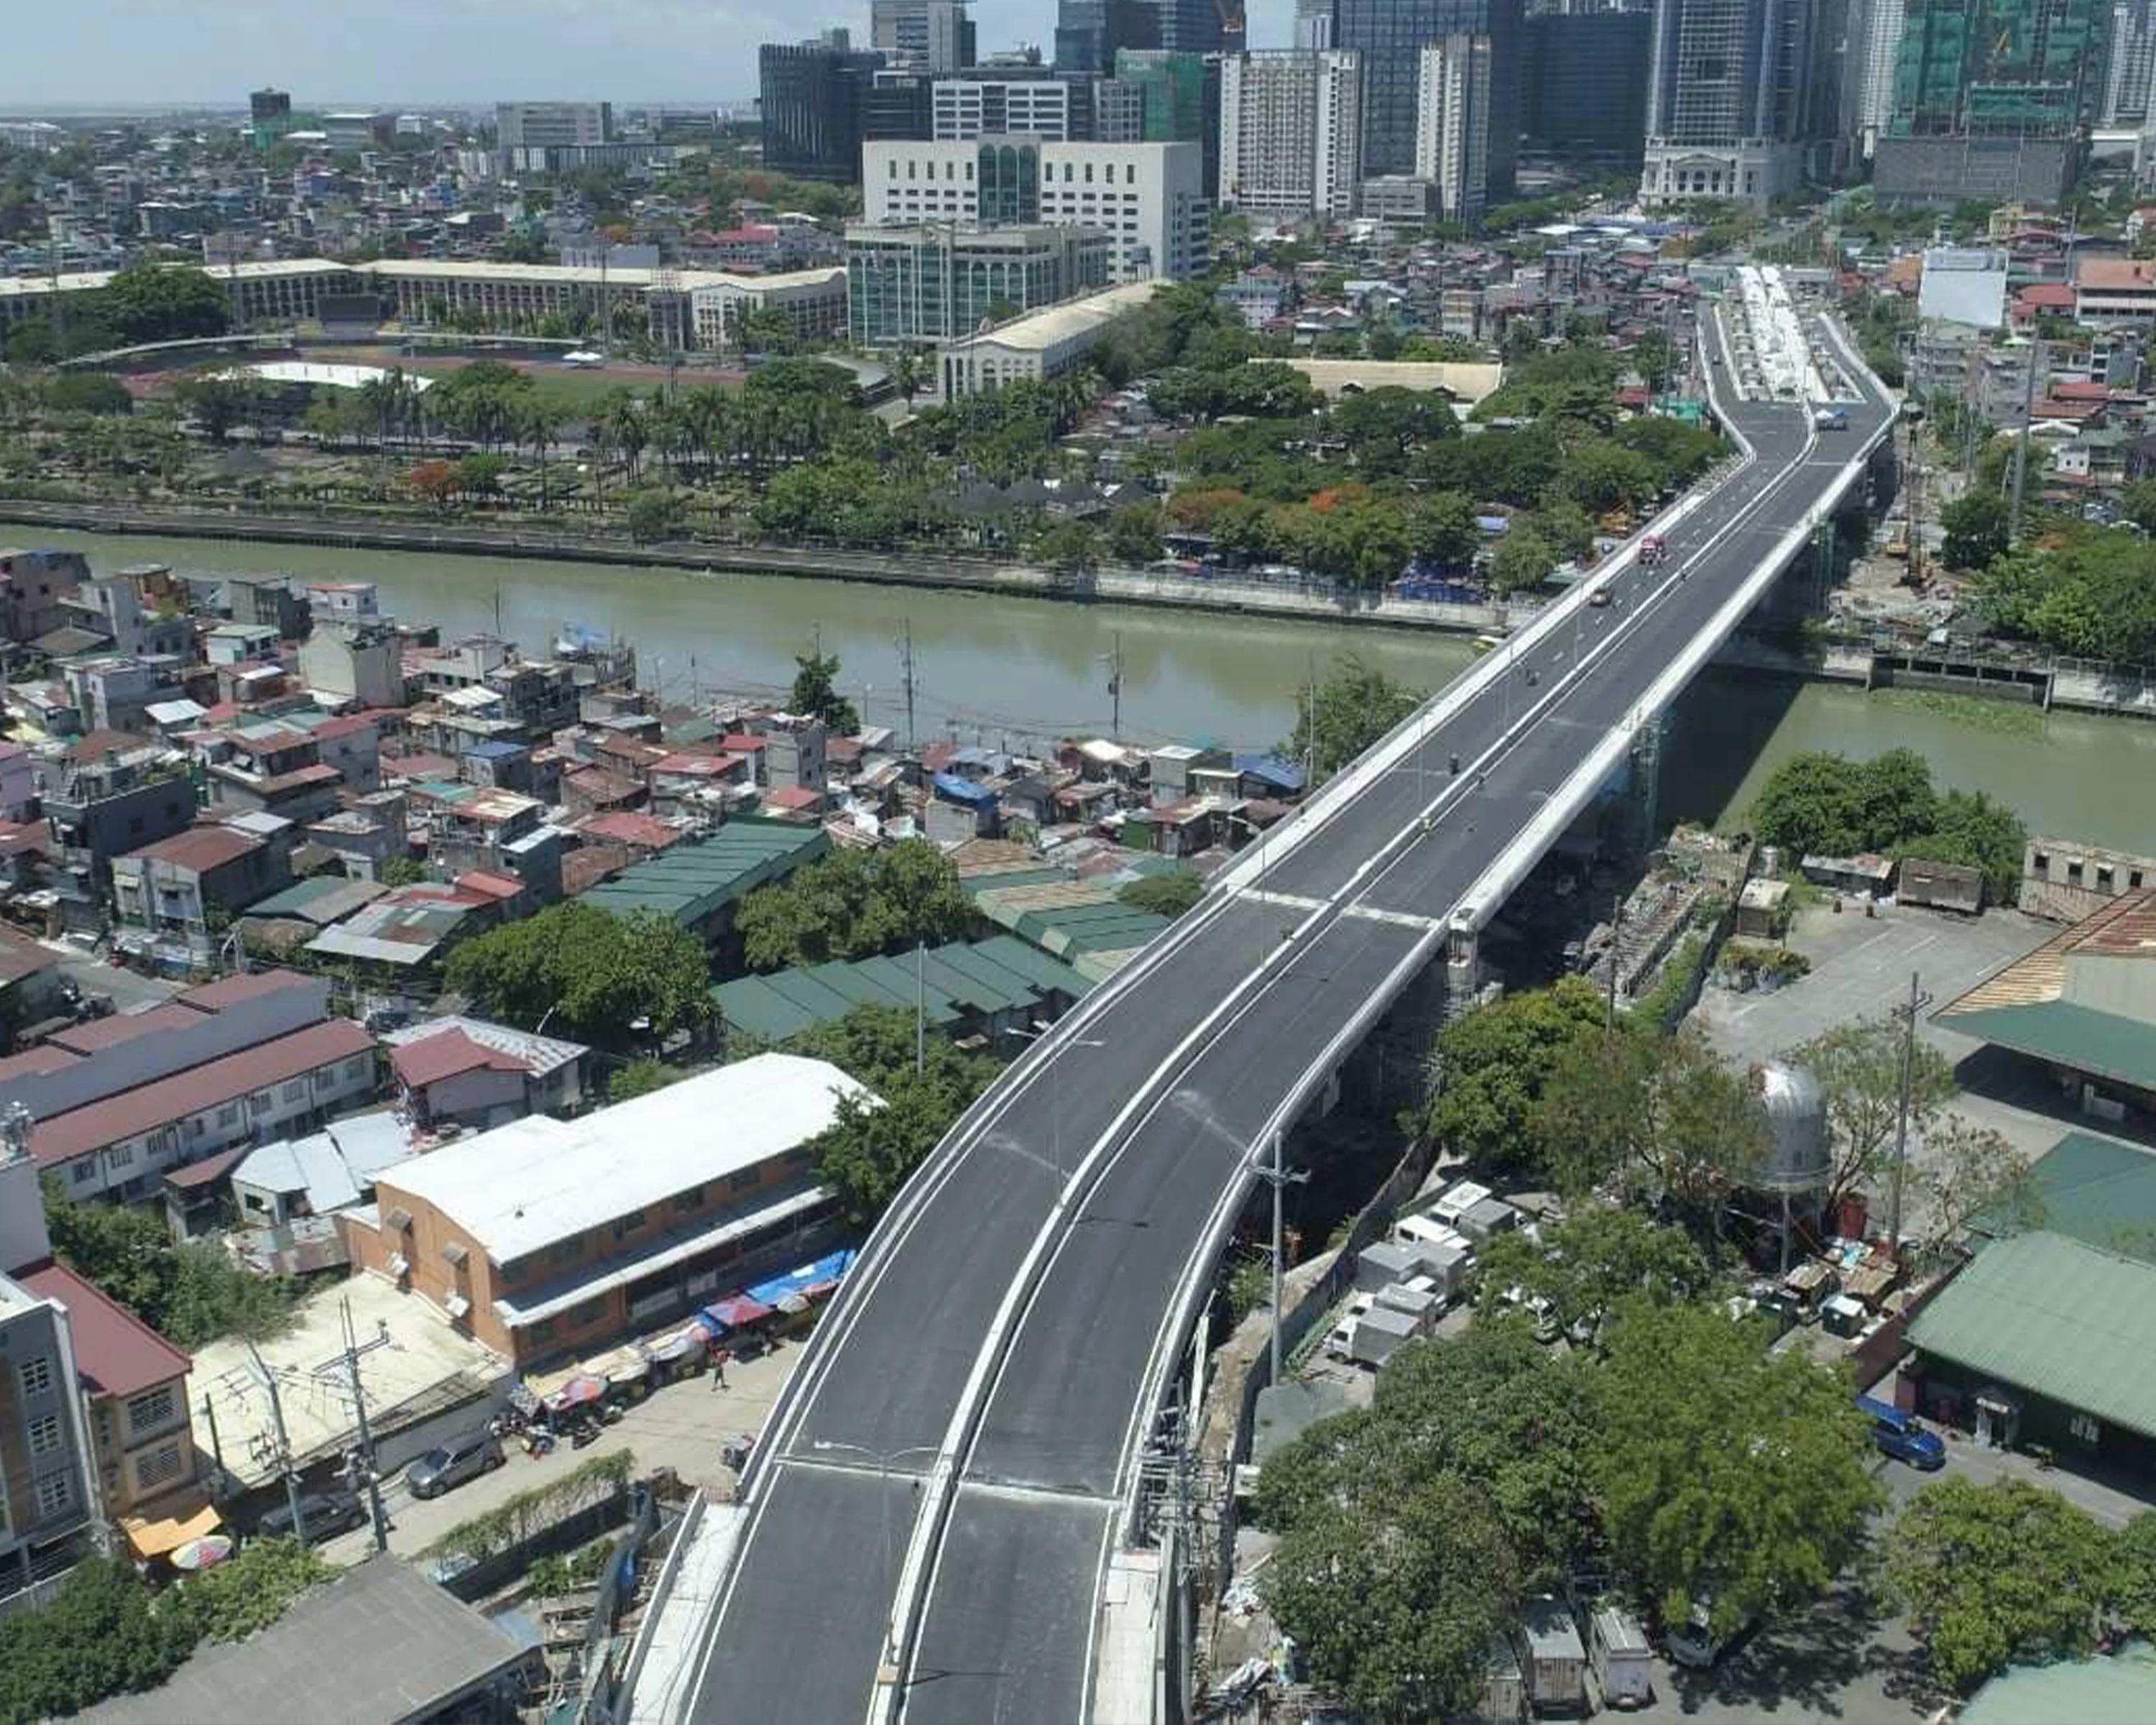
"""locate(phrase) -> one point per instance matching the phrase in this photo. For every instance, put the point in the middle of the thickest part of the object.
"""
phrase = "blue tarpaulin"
(821, 1273)
(959, 790)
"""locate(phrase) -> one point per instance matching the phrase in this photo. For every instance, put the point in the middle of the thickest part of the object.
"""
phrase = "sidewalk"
(680, 1426)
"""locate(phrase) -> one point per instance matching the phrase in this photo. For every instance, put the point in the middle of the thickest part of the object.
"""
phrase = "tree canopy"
(1410, 1529)
(1588, 1263)
(2086, 591)
(815, 694)
(855, 904)
(618, 982)
(1495, 1062)
(1351, 707)
(1976, 526)
(871, 1150)
(1166, 895)
(2003, 1572)
(190, 1293)
(1726, 1476)
(1827, 804)
(162, 302)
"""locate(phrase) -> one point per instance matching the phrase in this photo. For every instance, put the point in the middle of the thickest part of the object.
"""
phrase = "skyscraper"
(1584, 87)
(1180, 101)
(814, 96)
(1727, 99)
(2131, 68)
(1291, 133)
(1875, 35)
(1313, 25)
(1452, 124)
(922, 35)
(1089, 33)
(1992, 99)
(1390, 35)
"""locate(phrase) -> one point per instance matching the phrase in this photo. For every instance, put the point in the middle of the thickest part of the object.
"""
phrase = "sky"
(59, 53)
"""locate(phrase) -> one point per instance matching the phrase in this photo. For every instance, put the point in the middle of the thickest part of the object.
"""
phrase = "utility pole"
(905, 663)
(1917, 1001)
(1309, 730)
(2022, 444)
(1114, 657)
(209, 1418)
(920, 1010)
(1279, 1178)
(284, 1443)
(366, 1434)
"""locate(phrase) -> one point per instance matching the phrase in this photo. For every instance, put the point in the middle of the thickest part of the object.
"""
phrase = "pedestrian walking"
(718, 1371)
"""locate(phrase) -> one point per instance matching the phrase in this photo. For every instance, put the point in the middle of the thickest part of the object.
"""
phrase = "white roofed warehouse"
(546, 1238)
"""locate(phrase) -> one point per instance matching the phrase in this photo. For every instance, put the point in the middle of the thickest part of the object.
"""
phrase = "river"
(992, 668)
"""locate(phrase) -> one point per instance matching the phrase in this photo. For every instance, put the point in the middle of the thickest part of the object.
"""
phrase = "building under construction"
(1993, 100)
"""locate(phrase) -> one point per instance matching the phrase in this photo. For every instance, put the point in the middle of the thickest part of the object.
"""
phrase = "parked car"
(1903, 1436)
(1694, 1644)
(461, 1459)
(323, 1515)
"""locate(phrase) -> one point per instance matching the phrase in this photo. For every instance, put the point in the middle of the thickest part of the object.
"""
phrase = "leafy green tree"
(2134, 1579)
(871, 1149)
(618, 982)
(1393, 1607)
(2138, 501)
(190, 1294)
(100, 1637)
(1859, 1068)
(1726, 1475)
(480, 475)
(218, 404)
(1069, 547)
(1978, 525)
(1169, 895)
(87, 393)
(1495, 1063)
(639, 1078)
(2085, 591)
(1589, 1263)
(654, 513)
(1134, 534)
(855, 904)
(1828, 804)
(1998, 1573)
(1971, 829)
(815, 693)
(159, 302)
(403, 871)
(1522, 563)
(245, 1594)
(1353, 705)
(1441, 529)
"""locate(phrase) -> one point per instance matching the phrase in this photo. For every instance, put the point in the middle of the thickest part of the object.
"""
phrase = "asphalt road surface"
(1170, 1081)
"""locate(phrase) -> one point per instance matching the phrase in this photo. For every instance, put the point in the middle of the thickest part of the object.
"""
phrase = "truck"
(1623, 1663)
(1831, 419)
(1555, 1663)
(1652, 550)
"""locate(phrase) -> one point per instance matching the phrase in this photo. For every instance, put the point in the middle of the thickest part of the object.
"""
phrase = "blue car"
(1903, 1436)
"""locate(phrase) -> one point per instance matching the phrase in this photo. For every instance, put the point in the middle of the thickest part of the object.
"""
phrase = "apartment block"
(1291, 134)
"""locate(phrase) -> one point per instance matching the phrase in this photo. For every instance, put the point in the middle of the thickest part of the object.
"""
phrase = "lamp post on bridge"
(883, 1460)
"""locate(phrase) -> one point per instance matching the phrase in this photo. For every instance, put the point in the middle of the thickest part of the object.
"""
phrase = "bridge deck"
(1170, 1078)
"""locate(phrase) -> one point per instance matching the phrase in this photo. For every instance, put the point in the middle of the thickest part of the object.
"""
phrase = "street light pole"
(1279, 1178)
(1040, 1029)
(1917, 999)
(883, 1460)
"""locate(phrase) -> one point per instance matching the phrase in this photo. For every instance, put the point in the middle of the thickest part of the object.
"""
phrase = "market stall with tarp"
(579, 1391)
(150, 1540)
(625, 1370)
(734, 1313)
(678, 1353)
(813, 1282)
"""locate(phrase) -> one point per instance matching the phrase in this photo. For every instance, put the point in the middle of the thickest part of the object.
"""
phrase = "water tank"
(1798, 1159)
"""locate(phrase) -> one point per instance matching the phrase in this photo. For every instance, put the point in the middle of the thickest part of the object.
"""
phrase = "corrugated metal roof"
(959, 980)
(2046, 1313)
(2104, 1044)
(2093, 1189)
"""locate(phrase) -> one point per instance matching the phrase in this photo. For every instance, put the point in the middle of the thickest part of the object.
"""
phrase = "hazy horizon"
(124, 58)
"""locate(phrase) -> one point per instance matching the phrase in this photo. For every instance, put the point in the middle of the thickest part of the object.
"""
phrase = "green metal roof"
(691, 882)
(2093, 1189)
(2104, 1044)
(298, 896)
(2043, 1312)
(959, 981)
(2120, 1690)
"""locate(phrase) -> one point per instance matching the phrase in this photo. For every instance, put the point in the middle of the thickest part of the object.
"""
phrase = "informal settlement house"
(545, 1237)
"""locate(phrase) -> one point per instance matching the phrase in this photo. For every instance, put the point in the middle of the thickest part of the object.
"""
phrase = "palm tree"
(538, 424)
(908, 373)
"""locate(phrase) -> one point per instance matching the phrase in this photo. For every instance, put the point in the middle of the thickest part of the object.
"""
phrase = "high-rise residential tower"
(1452, 124)
(1726, 100)
(1291, 133)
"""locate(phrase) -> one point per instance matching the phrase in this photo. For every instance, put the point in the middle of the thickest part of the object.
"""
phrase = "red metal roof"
(252, 985)
(211, 1085)
(98, 1034)
(201, 849)
(488, 885)
(793, 796)
(21, 957)
(627, 827)
(446, 1054)
(116, 1352)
